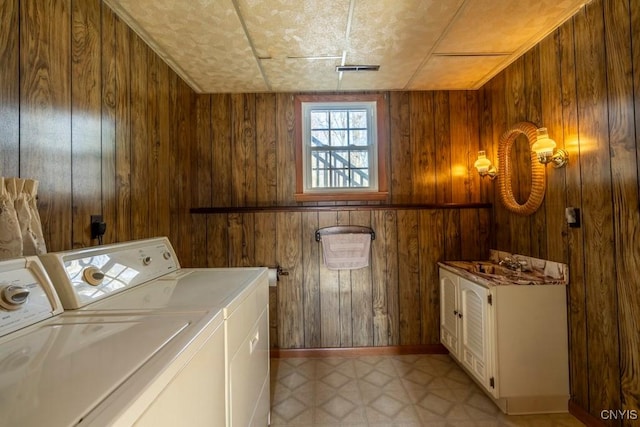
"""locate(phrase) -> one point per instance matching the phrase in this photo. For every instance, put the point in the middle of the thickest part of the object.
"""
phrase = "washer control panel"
(26, 295)
(87, 275)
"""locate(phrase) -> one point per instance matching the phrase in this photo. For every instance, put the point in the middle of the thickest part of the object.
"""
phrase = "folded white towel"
(346, 251)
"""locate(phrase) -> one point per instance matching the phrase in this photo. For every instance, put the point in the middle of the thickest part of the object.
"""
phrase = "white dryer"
(144, 276)
(89, 369)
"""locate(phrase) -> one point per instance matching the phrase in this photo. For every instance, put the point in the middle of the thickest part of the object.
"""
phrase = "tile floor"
(408, 390)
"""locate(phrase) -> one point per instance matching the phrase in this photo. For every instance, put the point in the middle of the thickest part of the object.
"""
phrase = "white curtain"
(10, 234)
(20, 225)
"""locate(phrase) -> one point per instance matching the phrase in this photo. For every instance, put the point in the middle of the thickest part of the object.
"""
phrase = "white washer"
(144, 276)
(88, 370)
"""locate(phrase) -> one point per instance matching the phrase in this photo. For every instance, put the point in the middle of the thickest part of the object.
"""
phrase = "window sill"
(342, 197)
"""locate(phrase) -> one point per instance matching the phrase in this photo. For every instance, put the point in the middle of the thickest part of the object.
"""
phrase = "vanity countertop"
(491, 273)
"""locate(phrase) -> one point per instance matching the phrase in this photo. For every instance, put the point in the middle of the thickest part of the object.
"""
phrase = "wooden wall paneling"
(202, 177)
(45, 113)
(578, 363)
(624, 168)
(108, 53)
(409, 297)
(163, 148)
(602, 334)
(452, 242)
(400, 144)
(516, 110)
(497, 85)
(473, 144)
(221, 163)
(266, 153)
(122, 223)
(217, 240)
(329, 292)
(485, 135)
(153, 143)
(459, 163)
(290, 292)
(431, 250)
(243, 160)
(266, 256)
(485, 230)
(532, 64)
(556, 242)
(378, 279)
(241, 240)
(180, 112)
(347, 311)
(442, 140)
(312, 258)
(423, 148)
(10, 88)
(285, 149)
(361, 292)
(470, 234)
(389, 235)
(139, 140)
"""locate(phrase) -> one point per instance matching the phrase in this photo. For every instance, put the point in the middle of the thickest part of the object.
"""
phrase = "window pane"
(319, 138)
(359, 177)
(358, 119)
(359, 159)
(339, 119)
(359, 137)
(319, 119)
(339, 138)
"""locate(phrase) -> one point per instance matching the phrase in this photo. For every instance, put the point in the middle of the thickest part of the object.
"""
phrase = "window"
(341, 147)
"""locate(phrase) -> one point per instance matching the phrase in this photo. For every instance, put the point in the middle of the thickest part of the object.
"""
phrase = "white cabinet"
(511, 339)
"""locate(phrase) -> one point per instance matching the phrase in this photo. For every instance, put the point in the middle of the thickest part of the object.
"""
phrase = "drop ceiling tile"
(398, 36)
(203, 41)
(455, 72)
(293, 75)
(505, 25)
(281, 28)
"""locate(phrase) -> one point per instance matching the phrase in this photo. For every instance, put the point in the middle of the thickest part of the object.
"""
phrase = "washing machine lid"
(189, 289)
(58, 372)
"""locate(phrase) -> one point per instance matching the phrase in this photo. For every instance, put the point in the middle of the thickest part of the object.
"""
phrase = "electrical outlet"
(98, 226)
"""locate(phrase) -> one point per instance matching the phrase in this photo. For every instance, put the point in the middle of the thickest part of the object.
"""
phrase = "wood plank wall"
(583, 83)
(94, 115)
(246, 158)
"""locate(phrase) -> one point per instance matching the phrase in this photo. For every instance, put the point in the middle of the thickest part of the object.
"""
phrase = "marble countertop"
(491, 273)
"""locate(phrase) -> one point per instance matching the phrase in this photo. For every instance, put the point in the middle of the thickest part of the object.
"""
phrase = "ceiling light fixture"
(341, 68)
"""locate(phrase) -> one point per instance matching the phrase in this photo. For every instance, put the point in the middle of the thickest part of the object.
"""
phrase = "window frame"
(347, 194)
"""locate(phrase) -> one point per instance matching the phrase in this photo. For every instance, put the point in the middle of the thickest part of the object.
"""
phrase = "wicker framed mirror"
(538, 177)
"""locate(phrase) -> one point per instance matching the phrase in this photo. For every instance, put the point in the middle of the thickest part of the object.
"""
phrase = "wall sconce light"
(546, 151)
(484, 166)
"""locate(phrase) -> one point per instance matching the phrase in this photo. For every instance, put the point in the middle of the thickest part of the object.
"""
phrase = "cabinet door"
(476, 339)
(449, 312)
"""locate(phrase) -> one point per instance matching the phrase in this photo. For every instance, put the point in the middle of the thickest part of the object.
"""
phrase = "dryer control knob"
(146, 260)
(13, 296)
(166, 255)
(93, 276)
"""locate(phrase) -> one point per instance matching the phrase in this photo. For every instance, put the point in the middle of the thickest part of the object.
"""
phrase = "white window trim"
(372, 146)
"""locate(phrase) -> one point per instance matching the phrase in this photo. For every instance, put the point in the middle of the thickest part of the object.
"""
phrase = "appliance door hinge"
(490, 299)
(492, 382)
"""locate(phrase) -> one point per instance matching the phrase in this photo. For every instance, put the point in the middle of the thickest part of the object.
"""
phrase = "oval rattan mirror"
(538, 181)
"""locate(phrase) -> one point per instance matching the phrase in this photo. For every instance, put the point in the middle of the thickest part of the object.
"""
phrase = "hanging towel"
(346, 251)
(10, 235)
(24, 216)
(31, 196)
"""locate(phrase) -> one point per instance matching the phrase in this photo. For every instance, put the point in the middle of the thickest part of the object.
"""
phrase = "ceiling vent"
(341, 68)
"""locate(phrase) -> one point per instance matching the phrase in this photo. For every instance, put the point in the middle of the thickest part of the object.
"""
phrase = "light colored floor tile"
(377, 391)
